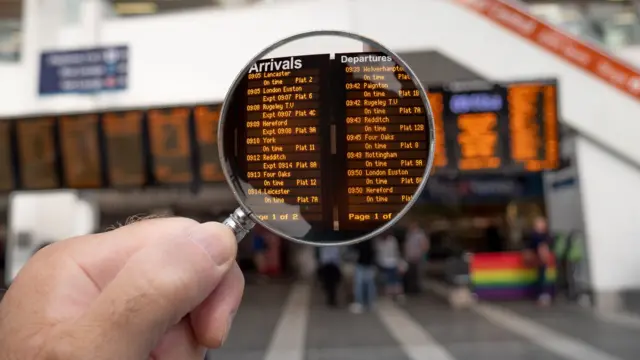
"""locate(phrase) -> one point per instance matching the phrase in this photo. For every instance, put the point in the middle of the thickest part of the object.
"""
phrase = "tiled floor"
(424, 328)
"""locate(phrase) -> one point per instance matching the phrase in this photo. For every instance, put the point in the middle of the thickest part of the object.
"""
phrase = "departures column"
(284, 139)
(384, 129)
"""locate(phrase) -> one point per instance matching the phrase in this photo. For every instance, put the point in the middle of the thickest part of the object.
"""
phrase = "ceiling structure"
(142, 7)
(145, 7)
(148, 7)
(12, 9)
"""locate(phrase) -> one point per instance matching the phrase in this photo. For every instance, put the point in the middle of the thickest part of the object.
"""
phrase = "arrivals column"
(283, 138)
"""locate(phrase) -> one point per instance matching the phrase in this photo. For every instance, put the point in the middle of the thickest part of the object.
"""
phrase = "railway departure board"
(533, 126)
(170, 145)
(342, 141)
(124, 148)
(80, 151)
(207, 118)
(38, 158)
(510, 128)
(283, 140)
(336, 143)
(440, 159)
(382, 128)
(6, 159)
(291, 137)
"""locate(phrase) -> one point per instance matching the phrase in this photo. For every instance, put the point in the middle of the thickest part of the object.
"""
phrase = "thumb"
(157, 287)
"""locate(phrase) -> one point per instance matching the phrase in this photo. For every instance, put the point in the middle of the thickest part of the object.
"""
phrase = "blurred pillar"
(566, 209)
(38, 218)
(59, 25)
(55, 24)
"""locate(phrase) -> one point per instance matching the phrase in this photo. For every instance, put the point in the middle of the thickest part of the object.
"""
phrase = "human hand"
(160, 289)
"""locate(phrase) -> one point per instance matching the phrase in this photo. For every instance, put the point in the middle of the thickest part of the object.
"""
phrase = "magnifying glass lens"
(327, 138)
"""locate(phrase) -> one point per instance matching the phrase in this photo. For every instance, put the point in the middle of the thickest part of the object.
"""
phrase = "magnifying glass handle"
(240, 223)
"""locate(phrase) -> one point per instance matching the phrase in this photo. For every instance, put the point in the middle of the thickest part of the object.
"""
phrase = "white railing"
(611, 25)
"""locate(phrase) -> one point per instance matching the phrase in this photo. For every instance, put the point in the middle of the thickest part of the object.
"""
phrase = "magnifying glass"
(325, 138)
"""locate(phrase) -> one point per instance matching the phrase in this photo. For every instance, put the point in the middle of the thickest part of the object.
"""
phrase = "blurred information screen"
(80, 151)
(440, 159)
(509, 128)
(207, 118)
(125, 149)
(385, 130)
(504, 128)
(170, 145)
(6, 166)
(533, 126)
(36, 145)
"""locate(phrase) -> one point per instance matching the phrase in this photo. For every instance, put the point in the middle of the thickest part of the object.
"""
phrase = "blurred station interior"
(186, 53)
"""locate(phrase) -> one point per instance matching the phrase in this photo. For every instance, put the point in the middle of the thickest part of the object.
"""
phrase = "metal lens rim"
(226, 166)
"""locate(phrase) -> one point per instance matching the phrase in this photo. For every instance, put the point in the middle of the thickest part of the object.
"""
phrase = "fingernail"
(217, 240)
(229, 324)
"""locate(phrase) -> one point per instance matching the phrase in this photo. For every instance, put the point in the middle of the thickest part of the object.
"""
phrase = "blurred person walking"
(568, 249)
(538, 254)
(416, 246)
(330, 274)
(494, 238)
(259, 254)
(364, 282)
(272, 255)
(392, 265)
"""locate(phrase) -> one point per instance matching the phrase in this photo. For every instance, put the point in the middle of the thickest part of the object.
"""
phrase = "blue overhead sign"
(84, 71)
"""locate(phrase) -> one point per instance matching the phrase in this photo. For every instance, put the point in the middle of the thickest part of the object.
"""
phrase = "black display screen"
(327, 148)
